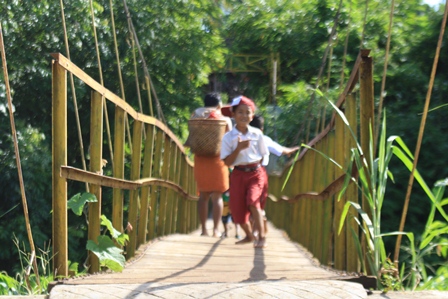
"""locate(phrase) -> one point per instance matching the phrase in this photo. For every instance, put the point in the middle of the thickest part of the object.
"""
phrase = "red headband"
(242, 100)
(226, 110)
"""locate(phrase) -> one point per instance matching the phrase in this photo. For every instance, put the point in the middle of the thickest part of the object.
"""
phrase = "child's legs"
(203, 210)
(217, 210)
(225, 223)
(253, 200)
(257, 215)
(237, 201)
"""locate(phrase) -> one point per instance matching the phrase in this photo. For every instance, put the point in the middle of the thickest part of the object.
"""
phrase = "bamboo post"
(327, 205)
(118, 168)
(59, 148)
(146, 173)
(316, 219)
(178, 198)
(155, 192)
(96, 157)
(163, 192)
(302, 167)
(352, 190)
(366, 116)
(183, 182)
(309, 203)
(134, 194)
(340, 251)
(170, 193)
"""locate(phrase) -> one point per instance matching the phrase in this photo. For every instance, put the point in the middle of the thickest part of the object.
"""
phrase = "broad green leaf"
(117, 235)
(77, 202)
(108, 254)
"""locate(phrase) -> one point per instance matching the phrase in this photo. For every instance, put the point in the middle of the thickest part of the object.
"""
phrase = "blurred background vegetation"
(187, 46)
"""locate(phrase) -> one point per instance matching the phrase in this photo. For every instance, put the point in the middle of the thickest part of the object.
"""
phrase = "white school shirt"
(256, 151)
(273, 147)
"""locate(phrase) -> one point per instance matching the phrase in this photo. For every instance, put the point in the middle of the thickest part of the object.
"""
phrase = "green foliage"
(183, 43)
(77, 202)
(109, 255)
(119, 237)
(8, 285)
(373, 174)
(26, 281)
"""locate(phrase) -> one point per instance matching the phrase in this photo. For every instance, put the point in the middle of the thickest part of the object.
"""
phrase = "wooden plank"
(190, 259)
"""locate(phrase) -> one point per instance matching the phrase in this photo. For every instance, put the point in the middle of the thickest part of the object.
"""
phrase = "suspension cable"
(150, 85)
(383, 82)
(364, 24)
(321, 70)
(18, 163)
(420, 135)
(75, 102)
(106, 116)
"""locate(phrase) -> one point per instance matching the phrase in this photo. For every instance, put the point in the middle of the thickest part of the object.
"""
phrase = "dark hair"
(212, 99)
(257, 122)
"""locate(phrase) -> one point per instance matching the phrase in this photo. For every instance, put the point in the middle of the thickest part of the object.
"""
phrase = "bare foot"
(261, 243)
(204, 234)
(216, 233)
(244, 241)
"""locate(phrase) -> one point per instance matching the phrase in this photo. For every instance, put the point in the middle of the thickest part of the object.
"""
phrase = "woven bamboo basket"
(205, 136)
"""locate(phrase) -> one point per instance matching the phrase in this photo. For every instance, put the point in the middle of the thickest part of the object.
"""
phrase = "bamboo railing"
(307, 208)
(162, 191)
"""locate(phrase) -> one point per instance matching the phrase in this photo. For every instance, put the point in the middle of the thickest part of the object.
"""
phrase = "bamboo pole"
(328, 236)
(59, 189)
(17, 154)
(75, 102)
(352, 190)
(96, 152)
(155, 192)
(340, 250)
(169, 193)
(183, 182)
(316, 220)
(118, 168)
(420, 134)
(366, 120)
(134, 201)
(383, 81)
(178, 199)
(163, 192)
(145, 193)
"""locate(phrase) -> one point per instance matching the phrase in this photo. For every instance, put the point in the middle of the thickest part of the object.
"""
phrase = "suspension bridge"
(308, 256)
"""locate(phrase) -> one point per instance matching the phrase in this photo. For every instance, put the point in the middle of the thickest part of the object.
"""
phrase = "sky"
(433, 2)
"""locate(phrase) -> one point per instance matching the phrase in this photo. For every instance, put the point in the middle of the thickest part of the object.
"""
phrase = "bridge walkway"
(180, 266)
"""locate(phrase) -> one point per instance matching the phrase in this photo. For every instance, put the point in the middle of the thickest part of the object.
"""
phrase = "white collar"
(250, 130)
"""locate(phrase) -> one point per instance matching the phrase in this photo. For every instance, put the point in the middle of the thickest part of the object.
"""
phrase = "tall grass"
(373, 176)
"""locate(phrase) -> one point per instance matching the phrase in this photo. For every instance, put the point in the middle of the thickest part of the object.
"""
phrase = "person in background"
(274, 148)
(244, 149)
(210, 173)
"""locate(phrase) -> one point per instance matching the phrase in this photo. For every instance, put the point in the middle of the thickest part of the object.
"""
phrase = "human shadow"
(258, 271)
(146, 286)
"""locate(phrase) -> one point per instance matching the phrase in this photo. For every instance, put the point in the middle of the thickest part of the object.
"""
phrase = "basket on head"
(205, 136)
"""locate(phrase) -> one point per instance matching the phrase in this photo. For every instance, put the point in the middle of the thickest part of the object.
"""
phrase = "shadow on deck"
(180, 266)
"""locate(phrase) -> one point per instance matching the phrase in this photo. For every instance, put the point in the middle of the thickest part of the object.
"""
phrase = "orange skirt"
(211, 174)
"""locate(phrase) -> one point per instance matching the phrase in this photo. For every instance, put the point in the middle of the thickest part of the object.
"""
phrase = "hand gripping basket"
(205, 136)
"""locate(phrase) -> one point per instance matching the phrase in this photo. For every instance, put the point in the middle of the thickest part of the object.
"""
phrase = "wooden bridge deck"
(177, 266)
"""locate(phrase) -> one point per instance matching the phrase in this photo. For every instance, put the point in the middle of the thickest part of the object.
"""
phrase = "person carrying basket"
(207, 126)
